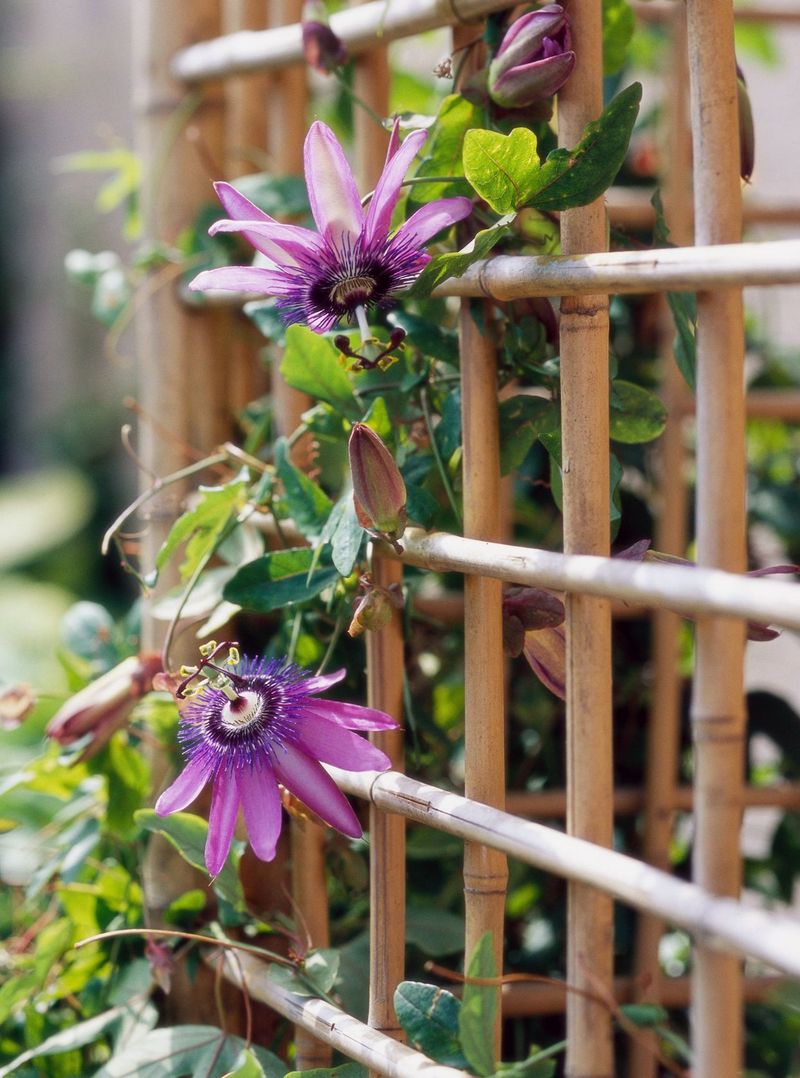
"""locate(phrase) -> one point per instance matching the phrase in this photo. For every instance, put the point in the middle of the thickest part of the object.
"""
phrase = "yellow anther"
(187, 671)
(233, 657)
(207, 649)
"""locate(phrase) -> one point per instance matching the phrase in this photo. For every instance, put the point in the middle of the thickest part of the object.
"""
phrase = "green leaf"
(279, 196)
(344, 1070)
(502, 168)
(636, 414)
(421, 506)
(377, 419)
(311, 364)
(443, 151)
(575, 177)
(247, 1066)
(188, 834)
(434, 932)
(308, 504)
(430, 1018)
(455, 263)
(185, 1050)
(539, 1063)
(280, 578)
(202, 525)
(522, 419)
(127, 774)
(315, 977)
(77, 1036)
(619, 23)
(267, 319)
(478, 1008)
(41, 511)
(346, 535)
(448, 429)
(644, 1015)
(682, 305)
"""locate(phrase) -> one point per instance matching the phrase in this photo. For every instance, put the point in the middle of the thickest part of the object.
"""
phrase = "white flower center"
(241, 713)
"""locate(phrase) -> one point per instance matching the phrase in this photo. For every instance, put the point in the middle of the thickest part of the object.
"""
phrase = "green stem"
(448, 489)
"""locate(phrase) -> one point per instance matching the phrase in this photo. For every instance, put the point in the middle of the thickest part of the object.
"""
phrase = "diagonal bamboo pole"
(485, 869)
(663, 734)
(385, 650)
(585, 469)
(718, 711)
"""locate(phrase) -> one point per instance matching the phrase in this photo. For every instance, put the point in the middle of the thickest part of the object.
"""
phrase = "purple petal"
(306, 779)
(221, 819)
(387, 190)
(261, 805)
(244, 279)
(333, 744)
(526, 84)
(322, 682)
(185, 788)
(394, 142)
(280, 243)
(237, 206)
(428, 220)
(352, 716)
(332, 190)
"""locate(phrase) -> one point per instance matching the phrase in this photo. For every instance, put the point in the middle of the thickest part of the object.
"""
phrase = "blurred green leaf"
(40, 512)
(478, 1008)
(435, 932)
(185, 1050)
(619, 23)
(637, 415)
(308, 504)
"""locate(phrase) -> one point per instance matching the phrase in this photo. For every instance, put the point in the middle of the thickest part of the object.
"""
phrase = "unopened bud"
(525, 609)
(323, 50)
(747, 134)
(534, 60)
(103, 706)
(373, 611)
(379, 493)
(546, 652)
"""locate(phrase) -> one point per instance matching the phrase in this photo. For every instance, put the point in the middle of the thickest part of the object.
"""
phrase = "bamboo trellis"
(182, 51)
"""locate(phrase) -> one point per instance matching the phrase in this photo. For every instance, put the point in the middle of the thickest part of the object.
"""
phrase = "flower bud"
(534, 60)
(747, 136)
(103, 706)
(526, 609)
(323, 50)
(379, 492)
(373, 612)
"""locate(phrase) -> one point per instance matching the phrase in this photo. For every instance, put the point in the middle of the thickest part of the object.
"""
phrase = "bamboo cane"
(485, 869)
(718, 712)
(359, 27)
(583, 333)
(691, 591)
(181, 379)
(385, 649)
(723, 924)
(631, 207)
(630, 800)
(663, 734)
(663, 10)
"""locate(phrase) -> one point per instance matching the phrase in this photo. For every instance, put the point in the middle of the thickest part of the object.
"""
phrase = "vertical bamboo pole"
(180, 358)
(385, 653)
(246, 98)
(664, 729)
(585, 466)
(718, 711)
(485, 870)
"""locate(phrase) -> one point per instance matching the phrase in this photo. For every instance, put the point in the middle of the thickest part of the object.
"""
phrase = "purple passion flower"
(273, 731)
(352, 262)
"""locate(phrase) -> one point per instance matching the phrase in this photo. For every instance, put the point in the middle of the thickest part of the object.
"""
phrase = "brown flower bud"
(379, 493)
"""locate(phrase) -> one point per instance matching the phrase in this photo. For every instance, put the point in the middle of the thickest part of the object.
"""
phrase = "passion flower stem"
(363, 324)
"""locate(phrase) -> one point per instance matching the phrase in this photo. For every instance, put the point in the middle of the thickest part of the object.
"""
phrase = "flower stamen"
(352, 290)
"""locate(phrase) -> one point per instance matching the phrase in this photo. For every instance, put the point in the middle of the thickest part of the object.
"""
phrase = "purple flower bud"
(323, 50)
(534, 60)
(379, 492)
(747, 136)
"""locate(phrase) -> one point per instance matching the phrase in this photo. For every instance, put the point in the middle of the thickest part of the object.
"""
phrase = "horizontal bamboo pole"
(672, 269)
(359, 28)
(682, 588)
(330, 1024)
(521, 999)
(722, 924)
(628, 800)
(663, 10)
(630, 207)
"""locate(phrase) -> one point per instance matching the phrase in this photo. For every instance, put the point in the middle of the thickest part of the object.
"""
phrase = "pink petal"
(243, 279)
(387, 190)
(185, 788)
(280, 243)
(394, 142)
(351, 716)
(332, 190)
(237, 206)
(322, 682)
(306, 779)
(221, 819)
(261, 805)
(424, 224)
(333, 744)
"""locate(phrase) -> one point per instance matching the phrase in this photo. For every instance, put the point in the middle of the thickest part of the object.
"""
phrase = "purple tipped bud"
(379, 492)
(747, 135)
(546, 652)
(534, 60)
(525, 609)
(323, 50)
